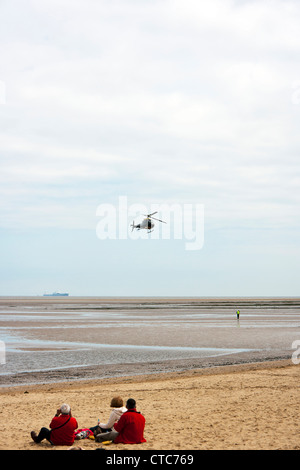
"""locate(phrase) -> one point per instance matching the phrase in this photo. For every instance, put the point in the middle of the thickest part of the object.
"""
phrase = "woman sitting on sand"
(118, 409)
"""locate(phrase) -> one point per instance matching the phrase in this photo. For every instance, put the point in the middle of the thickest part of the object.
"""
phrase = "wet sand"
(57, 339)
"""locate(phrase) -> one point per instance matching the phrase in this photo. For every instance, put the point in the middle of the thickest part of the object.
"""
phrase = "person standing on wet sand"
(238, 314)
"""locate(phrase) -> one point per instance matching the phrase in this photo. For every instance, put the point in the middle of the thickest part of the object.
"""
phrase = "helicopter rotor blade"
(158, 220)
(150, 215)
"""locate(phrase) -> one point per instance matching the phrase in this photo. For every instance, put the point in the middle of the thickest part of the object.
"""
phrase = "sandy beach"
(248, 406)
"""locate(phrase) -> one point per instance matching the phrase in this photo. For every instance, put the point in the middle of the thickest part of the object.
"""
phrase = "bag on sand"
(83, 433)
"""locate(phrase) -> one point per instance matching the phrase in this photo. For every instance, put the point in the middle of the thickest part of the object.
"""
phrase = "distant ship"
(57, 294)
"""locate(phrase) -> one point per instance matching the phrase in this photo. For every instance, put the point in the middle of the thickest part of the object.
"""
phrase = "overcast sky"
(161, 102)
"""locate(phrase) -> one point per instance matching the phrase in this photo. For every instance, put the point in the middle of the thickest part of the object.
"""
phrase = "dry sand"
(249, 406)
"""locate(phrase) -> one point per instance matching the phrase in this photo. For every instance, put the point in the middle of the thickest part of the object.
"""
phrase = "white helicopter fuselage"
(146, 224)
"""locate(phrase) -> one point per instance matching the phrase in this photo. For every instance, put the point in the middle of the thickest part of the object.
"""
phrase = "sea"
(54, 339)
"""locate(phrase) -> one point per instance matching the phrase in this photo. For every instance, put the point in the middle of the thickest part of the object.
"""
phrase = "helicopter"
(147, 223)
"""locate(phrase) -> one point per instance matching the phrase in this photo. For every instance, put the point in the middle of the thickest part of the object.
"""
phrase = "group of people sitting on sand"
(125, 425)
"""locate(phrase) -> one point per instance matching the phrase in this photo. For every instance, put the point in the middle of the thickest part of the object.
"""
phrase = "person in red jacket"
(129, 429)
(62, 428)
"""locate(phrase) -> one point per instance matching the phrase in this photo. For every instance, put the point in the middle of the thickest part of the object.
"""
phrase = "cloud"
(165, 102)
(162, 100)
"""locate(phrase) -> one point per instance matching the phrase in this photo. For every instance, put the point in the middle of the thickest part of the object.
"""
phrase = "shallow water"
(47, 334)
